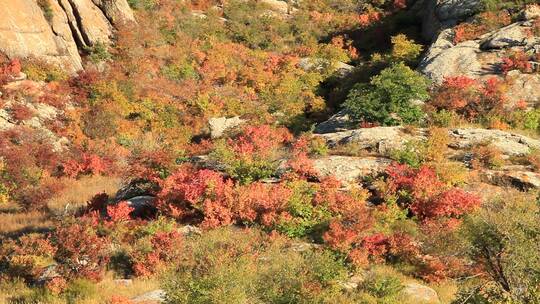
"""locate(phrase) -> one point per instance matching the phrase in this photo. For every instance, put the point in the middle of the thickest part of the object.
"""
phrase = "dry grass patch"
(79, 191)
(82, 293)
(15, 222)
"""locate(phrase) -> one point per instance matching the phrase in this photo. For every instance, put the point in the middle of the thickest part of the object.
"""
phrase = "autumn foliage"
(470, 98)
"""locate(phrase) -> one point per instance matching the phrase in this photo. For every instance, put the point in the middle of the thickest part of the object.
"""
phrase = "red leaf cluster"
(88, 164)
(259, 140)
(518, 60)
(81, 252)
(429, 197)
(165, 247)
(469, 97)
(119, 212)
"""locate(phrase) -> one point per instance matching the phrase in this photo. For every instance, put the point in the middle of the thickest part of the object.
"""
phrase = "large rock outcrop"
(439, 14)
(58, 32)
(374, 145)
(481, 58)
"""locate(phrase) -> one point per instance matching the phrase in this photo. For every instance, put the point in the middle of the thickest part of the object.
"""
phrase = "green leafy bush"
(389, 98)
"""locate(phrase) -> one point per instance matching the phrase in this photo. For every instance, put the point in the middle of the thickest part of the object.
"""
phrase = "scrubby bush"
(81, 252)
(471, 99)
(247, 266)
(39, 70)
(253, 154)
(516, 61)
(487, 155)
(426, 195)
(482, 24)
(503, 239)
(389, 98)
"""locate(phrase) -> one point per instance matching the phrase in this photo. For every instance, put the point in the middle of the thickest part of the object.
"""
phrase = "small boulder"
(512, 176)
(531, 12)
(341, 121)
(444, 60)
(134, 188)
(153, 297)
(348, 168)
(218, 126)
(379, 140)
(189, 230)
(420, 294)
(506, 37)
(143, 206)
(278, 6)
(510, 144)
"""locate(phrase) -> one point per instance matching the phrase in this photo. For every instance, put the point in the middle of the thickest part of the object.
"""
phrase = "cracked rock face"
(74, 25)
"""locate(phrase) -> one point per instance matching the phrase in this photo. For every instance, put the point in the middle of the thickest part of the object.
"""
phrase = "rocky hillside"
(267, 151)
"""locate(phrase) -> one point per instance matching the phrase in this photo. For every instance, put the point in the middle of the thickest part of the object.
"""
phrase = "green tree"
(389, 98)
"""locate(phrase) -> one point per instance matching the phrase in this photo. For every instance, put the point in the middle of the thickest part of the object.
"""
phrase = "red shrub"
(451, 203)
(56, 285)
(192, 193)
(88, 164)
(20, 112)
(151, 165)
(470, 98)
(13, 68)
(300, 163)
(165, 247)
(484, 23)
(340, 237)
(330, 194)
(30, 161)
(518, 60)
(377, 245)
(81, 252)
(259, 140)
(428, 197)
(261, 203)
(119, 212)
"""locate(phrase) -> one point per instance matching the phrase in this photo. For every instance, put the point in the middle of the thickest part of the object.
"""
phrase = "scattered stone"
(304, 246)
(278, 6)
(189, 230)
(48, 274)
(352, 283)
(531, 12)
